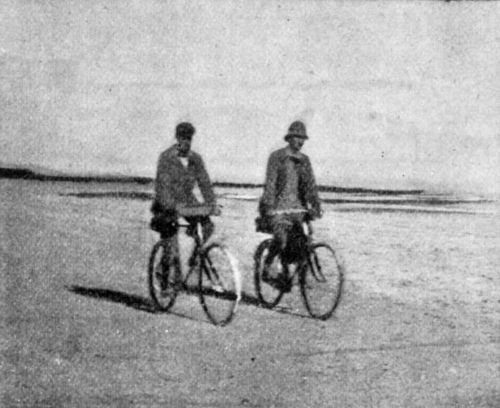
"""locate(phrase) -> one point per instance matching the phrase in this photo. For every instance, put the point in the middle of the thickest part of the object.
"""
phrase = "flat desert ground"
(418, 325)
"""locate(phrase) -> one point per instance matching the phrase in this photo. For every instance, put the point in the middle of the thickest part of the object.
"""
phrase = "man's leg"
(280, 228)
(169, 234)
(172, 246)
(296, 240)
(207, 226)
(171, 255)
(285, 228)
(207, 229)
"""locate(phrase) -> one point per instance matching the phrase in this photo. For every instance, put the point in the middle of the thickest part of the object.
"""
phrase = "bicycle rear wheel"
(162, 277)
(321, 281)
(219, 284)
(269, 295)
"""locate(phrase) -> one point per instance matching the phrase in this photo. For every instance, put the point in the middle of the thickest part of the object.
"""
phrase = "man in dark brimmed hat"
(290, 187)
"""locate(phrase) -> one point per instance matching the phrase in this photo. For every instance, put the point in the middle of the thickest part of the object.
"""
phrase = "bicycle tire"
(219, 284)
(268, 295)
(161, 290)
(321, 281)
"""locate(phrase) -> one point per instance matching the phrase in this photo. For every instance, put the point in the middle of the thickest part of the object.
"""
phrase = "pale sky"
(394, 94)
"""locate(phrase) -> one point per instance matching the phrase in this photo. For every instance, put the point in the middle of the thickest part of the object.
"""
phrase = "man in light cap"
(290, 185)
(179, 169)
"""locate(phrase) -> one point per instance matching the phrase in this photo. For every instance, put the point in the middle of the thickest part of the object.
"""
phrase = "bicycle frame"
(196, 258)
(316, 271)
(308, 233)
(219, 281)
(310, 270)
(198, 244)
(311, 255)
(306, 224)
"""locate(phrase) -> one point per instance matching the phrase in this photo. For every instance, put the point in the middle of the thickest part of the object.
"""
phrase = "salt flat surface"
(418, 326)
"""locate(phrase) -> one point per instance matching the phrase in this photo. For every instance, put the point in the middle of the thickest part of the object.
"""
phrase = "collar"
(297, 156)
(187, 156)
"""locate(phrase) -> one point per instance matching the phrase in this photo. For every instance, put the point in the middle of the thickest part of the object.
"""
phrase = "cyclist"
(289, 185)
(179, 170)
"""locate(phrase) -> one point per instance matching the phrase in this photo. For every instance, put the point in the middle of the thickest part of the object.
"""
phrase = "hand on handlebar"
(202, 210)
(309, 214)
(315, 214)
(216, 210)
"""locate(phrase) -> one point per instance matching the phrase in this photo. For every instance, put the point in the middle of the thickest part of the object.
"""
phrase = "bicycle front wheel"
(321, 281)
(161, 277)
(219, 284)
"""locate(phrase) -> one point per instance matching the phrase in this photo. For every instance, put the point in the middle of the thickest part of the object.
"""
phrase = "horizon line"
(28, 174)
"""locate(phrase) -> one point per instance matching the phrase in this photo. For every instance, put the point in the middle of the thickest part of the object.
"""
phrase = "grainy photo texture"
(249, 204)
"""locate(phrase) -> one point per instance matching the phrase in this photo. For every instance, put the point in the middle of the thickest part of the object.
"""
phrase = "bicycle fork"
(315, 267)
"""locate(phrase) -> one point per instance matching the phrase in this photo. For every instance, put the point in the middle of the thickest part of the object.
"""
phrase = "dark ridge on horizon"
(135, 195)
(427, 201)
(356, 190)
(27, 174)
(416, 201)
(330, 189)
(413, 210)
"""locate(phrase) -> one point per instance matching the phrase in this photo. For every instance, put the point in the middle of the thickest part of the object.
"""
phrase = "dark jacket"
(275, 177)
(174, 183)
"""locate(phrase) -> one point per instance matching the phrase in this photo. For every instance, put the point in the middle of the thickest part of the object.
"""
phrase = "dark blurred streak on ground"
(145, 305)
(110, 295)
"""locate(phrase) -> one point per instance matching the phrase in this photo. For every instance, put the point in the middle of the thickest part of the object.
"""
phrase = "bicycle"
(318, 271)
(219, 281)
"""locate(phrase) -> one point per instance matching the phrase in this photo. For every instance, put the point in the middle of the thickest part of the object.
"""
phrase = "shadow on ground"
(146, 305)
(115, 296)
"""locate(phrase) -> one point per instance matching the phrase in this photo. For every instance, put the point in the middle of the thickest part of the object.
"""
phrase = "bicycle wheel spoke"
(322, 281)
(317, 269)
(161, 278)
(220, 287)
(269, 290)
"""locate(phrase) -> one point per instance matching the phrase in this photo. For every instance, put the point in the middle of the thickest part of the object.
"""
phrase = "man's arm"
(268, 200)
(312, 190)
(204, 182)
(163, 185)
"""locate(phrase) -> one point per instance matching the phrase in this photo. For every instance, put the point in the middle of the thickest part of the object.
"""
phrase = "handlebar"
(197, 210)
(308, 229)
(289, 211)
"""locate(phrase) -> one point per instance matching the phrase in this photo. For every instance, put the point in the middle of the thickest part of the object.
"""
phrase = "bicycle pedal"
(180, 286)
(168, 291)
(218, 288)
(279, 282)
(286, 287)
(163, 280)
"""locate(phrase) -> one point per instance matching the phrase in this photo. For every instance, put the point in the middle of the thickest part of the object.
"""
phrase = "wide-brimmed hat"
(298, 129)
